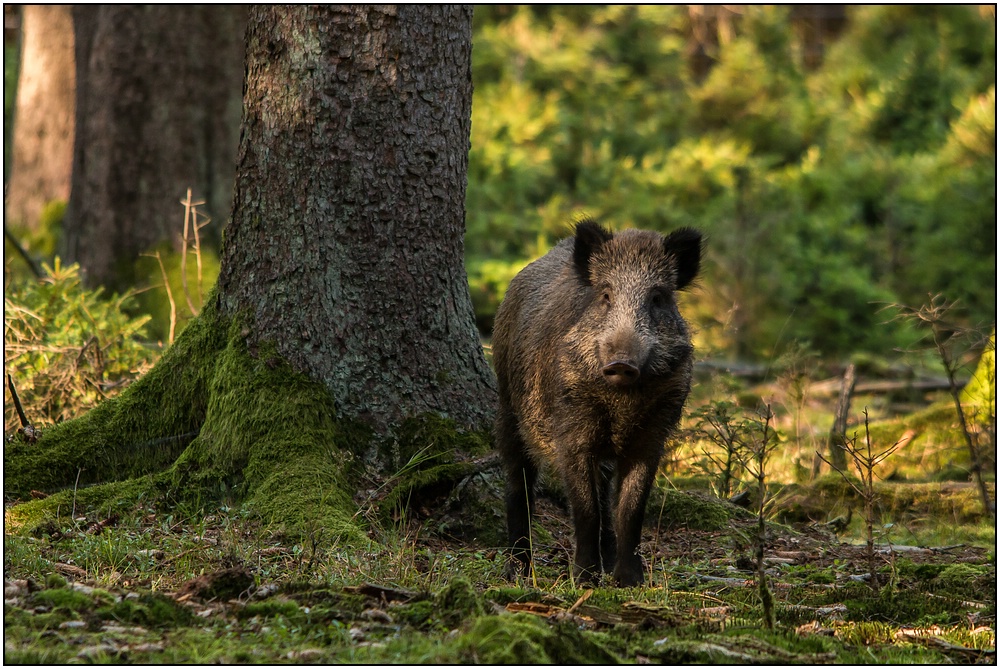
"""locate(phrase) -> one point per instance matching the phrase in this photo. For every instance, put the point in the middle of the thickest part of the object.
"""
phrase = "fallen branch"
(21, 251)
(27, 429)
(927, 638)
(381, 592)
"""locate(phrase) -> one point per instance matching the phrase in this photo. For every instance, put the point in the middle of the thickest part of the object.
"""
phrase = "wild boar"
(593, 361)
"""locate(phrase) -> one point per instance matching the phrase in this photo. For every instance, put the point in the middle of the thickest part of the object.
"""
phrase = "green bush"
(66, 347)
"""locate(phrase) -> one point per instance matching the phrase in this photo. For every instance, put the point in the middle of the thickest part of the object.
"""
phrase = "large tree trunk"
(158, 112)
(43, 130)
(341, 333)
(346, 243)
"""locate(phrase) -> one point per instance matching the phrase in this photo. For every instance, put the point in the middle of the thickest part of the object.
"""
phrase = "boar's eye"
(606, 297)
(659, 299)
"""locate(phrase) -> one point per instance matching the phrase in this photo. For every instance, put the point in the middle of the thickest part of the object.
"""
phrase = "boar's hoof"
(621, 373)
(627, 577)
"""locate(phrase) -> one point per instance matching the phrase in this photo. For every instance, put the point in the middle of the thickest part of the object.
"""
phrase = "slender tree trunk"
(158, 111)
(838, 431)
(43, 130)
(346, 242)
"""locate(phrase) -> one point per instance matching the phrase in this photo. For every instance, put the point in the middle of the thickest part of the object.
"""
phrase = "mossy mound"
(814, 502)
(458, 601)
(672, 509)
(520, 639)
(63, 598)
(898, 606)
(831, 494)
(931, 440)
(959, 502)
(960, 581)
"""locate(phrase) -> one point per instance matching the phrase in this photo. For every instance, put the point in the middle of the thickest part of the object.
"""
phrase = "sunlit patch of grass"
(22, 557)
(926, 531)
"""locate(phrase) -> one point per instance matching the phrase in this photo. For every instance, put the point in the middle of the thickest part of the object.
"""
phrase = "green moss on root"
(140, 431)
(430, 457)
(209, 422)
(270, 438)
(213, 422)
(45, 516)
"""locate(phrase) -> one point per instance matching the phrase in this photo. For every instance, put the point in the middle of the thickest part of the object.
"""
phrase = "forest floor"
(201, 583)
(186, 586)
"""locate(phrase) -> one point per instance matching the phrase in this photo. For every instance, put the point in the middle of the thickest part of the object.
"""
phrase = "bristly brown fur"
(594, 365)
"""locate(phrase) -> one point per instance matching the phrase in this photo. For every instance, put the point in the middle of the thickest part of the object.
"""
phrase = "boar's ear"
(589, 237)
(684, 245)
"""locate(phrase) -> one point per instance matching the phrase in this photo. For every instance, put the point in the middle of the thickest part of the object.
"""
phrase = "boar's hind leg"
(520, 490)
(635, 477)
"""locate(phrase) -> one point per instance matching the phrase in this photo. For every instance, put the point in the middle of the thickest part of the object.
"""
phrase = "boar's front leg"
(582, 476)
(635, 478)
(609, 545)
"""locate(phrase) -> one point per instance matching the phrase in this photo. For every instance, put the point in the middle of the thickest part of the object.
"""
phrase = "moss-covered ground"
(164, 582)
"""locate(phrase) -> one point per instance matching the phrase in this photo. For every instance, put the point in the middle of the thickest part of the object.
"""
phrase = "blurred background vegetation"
(838, 159)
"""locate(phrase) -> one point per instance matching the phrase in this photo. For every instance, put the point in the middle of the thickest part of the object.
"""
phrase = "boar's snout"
(621, 373)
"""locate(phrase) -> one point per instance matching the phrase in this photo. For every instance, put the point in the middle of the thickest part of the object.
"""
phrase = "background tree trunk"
(346, 242)
(158, 112)
(43, 130)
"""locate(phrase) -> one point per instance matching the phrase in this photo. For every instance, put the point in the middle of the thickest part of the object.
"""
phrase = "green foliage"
(67, 347)
(980, 394)
(140, 431)
(826, 191)
(488, 279)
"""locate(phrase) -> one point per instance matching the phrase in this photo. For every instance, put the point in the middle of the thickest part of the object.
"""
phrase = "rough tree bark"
(346, 243)
(157, 112)
(43, 130)
(341, 333)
